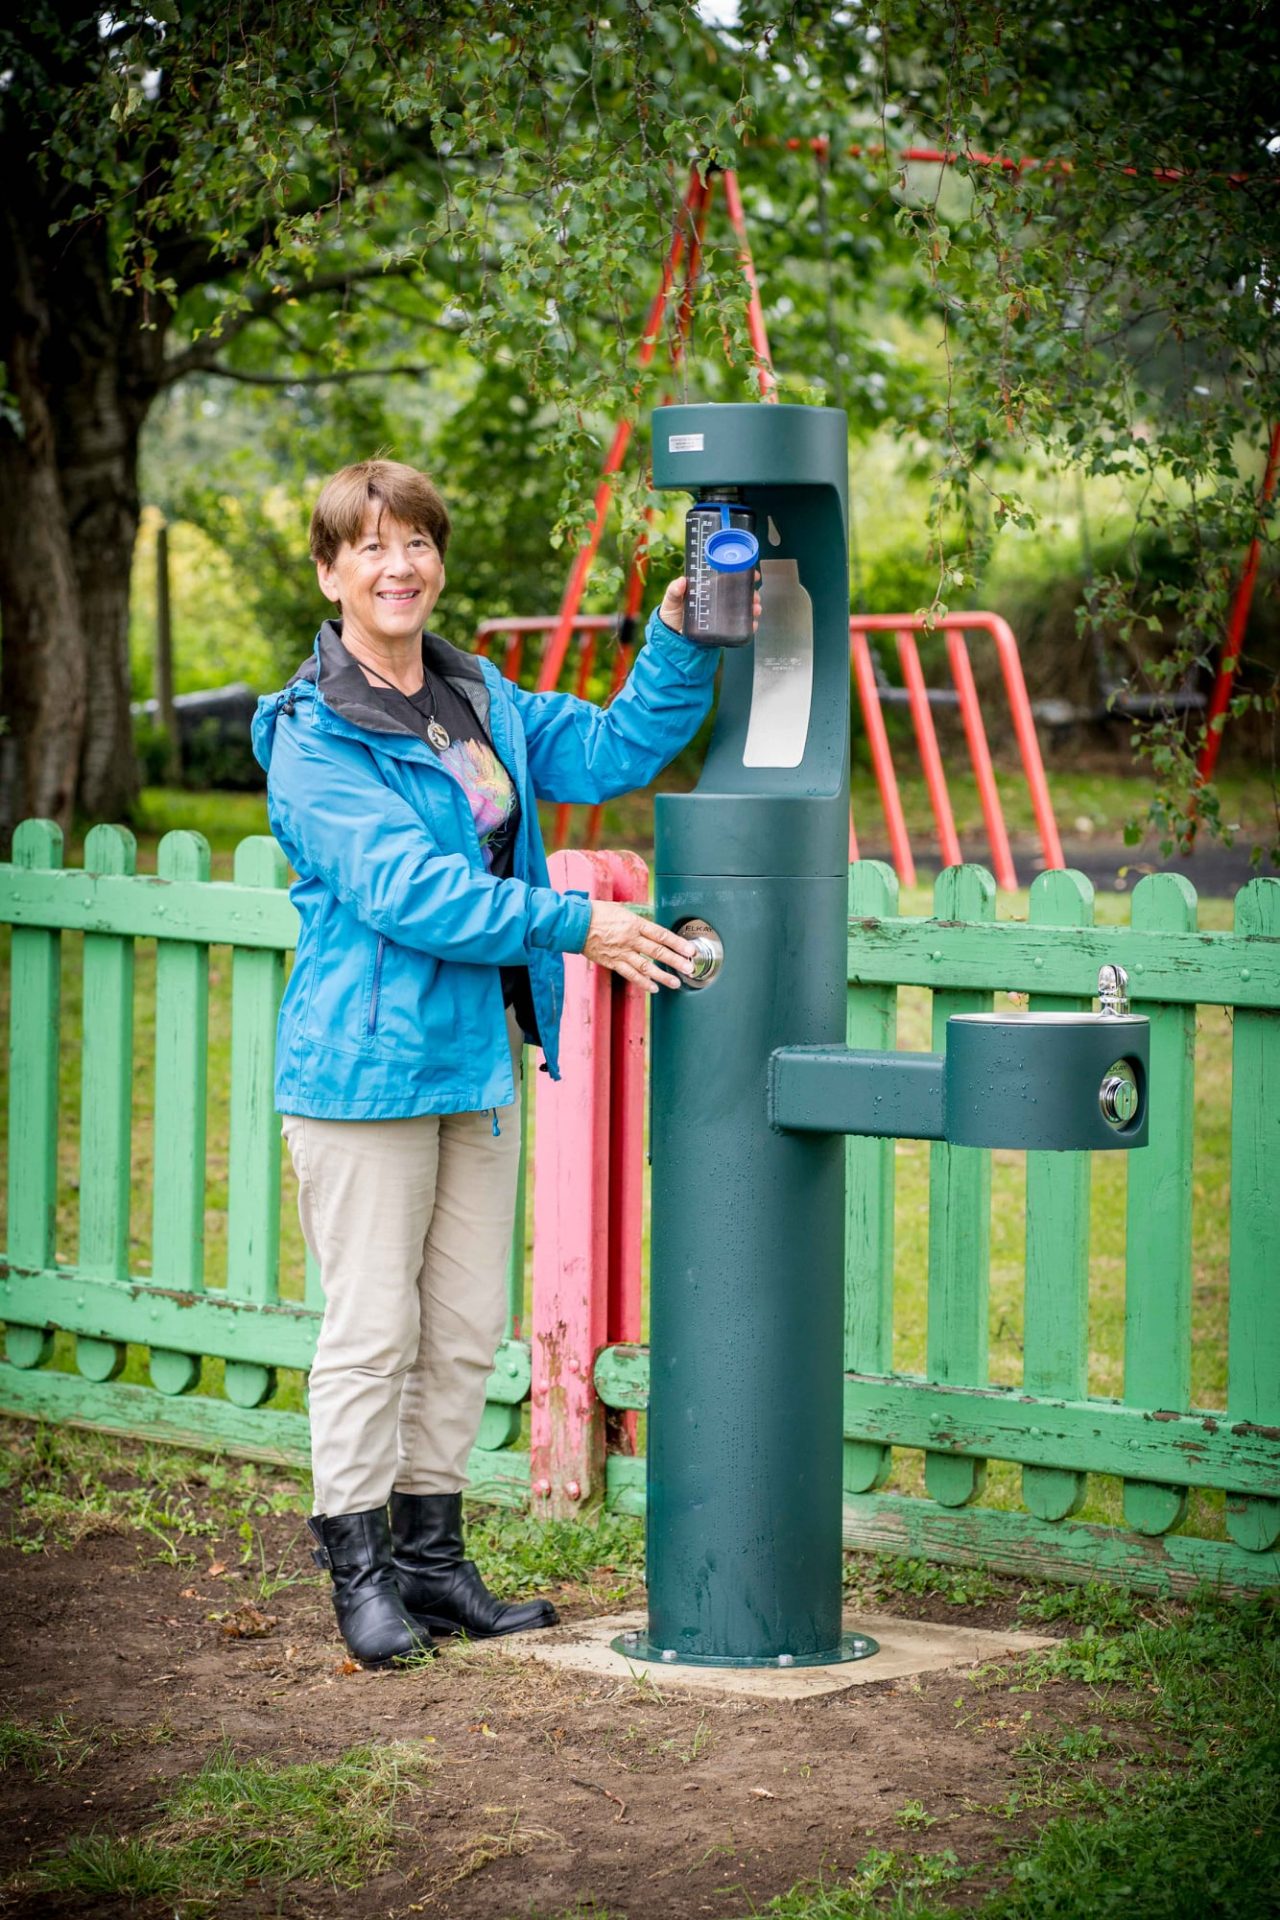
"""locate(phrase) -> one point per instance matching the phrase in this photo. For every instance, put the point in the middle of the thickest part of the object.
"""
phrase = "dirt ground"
(547, 1793)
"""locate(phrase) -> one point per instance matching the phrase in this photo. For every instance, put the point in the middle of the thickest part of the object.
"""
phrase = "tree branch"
(202, 355)
(337, 378)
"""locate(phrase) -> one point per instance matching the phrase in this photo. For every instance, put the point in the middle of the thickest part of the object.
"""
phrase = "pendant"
(437, 735)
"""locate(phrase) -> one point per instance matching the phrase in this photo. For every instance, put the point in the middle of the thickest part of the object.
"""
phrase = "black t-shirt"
(468, 753)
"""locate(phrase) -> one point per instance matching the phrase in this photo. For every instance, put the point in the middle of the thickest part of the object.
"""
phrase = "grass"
(1159, 1801)
(1172, 1812)
(240, 1823)
(71, 1484)
(41, 1751)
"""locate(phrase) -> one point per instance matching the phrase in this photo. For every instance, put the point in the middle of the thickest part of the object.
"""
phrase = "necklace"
(436, 733)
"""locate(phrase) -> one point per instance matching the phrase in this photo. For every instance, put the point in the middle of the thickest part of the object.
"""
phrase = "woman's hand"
(671, 612)
(638, 949)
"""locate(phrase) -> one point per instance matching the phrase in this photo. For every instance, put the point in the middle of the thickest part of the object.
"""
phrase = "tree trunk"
(84, 367)
(42, 678)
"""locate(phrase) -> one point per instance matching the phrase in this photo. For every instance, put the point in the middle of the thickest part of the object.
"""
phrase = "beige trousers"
(410, 1222)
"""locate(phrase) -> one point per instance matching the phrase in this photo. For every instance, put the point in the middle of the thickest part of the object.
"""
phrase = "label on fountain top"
(686, 442)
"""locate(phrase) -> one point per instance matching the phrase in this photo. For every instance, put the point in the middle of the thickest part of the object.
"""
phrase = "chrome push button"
(708, 952)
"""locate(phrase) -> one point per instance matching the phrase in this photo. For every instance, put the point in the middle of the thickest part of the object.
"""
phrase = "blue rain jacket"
(394, 1004)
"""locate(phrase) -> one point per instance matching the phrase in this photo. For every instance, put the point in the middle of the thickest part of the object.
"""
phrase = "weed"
(271, 1580)
(41, 1751)
(685, 1751)
(520, 1554)
(1095, 1604)
(240, 1821)
(76, 1484)
(888, 1574)
(912, 1814)
(883, 1883)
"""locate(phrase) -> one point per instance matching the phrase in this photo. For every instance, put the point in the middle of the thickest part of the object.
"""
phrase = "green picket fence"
(1149, 1439)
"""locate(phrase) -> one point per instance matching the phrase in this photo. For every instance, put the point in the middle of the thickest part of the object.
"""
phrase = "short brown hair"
(401, 491)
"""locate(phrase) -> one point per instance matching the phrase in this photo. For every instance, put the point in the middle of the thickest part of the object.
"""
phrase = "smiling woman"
(402, 782)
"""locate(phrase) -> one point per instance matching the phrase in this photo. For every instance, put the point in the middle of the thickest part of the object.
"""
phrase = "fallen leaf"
(247, 1622)
(216, 1567)
(482, 1726)
(189, 1593)
(347, 1666)
(762, 1793)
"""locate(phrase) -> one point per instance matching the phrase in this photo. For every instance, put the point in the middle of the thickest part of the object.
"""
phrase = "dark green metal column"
(744, 1447)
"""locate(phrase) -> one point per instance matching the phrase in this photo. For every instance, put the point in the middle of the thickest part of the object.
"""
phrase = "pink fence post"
(626, 1148)
(571, 1229)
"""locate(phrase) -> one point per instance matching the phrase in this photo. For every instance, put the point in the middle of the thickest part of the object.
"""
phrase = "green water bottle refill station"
(753, 1088)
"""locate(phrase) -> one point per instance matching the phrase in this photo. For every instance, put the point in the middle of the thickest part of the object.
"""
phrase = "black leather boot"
(442, 1591)
(372, 1617)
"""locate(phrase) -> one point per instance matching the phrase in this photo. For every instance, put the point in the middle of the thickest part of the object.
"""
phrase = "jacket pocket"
(375, 990)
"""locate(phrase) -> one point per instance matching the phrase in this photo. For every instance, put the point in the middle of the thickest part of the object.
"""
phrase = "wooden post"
(1253, 1350)
(253, 1187)
(1157, 1304)
(629, 1014)
(106, 1102)
(871, 1021)
(959, 1219)
(36, 989)
(571, 1229)
(182, 1056)
(1056, 1314)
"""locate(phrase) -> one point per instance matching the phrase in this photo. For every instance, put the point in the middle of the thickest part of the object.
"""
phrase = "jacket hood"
(334, 678)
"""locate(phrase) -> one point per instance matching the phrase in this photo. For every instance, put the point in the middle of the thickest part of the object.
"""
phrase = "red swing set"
(681, 266)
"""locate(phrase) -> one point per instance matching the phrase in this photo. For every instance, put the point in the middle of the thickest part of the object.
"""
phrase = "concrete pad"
(906, 1647)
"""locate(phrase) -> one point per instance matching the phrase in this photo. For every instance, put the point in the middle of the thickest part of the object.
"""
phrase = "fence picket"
(106, 1096)
(182, 1051)
(959, 1217)
(34, 1013)
(871, 1021)
(1253, 1338)
(1056, 1314)
(1157, 1349)
(1048, 1426)
(253, 1203)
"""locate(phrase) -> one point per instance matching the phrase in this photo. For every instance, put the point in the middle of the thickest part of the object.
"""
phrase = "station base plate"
(637, 1645)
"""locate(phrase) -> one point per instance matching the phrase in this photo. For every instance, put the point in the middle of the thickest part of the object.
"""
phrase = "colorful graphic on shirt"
(487, 785)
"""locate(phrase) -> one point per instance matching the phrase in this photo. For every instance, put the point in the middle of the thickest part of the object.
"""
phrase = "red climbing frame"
(684, 256)
(1216, 718)
(904, 628)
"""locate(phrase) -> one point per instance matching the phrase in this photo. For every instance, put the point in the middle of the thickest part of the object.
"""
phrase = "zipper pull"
(497, 1130)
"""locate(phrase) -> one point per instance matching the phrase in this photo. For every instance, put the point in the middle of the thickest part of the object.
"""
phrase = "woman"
(402, 777)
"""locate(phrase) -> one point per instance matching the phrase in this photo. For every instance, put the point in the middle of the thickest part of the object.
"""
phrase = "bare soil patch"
(546, 1794)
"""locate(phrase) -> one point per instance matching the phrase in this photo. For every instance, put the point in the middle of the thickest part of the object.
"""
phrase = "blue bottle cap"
(731, 549)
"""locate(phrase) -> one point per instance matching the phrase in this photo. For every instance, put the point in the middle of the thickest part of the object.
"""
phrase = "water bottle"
(721, 553)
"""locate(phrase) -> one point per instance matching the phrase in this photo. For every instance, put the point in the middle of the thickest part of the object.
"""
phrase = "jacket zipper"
(377, 983)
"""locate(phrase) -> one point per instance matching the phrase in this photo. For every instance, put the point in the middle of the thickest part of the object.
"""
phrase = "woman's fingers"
(671, 612)
(638, 949)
